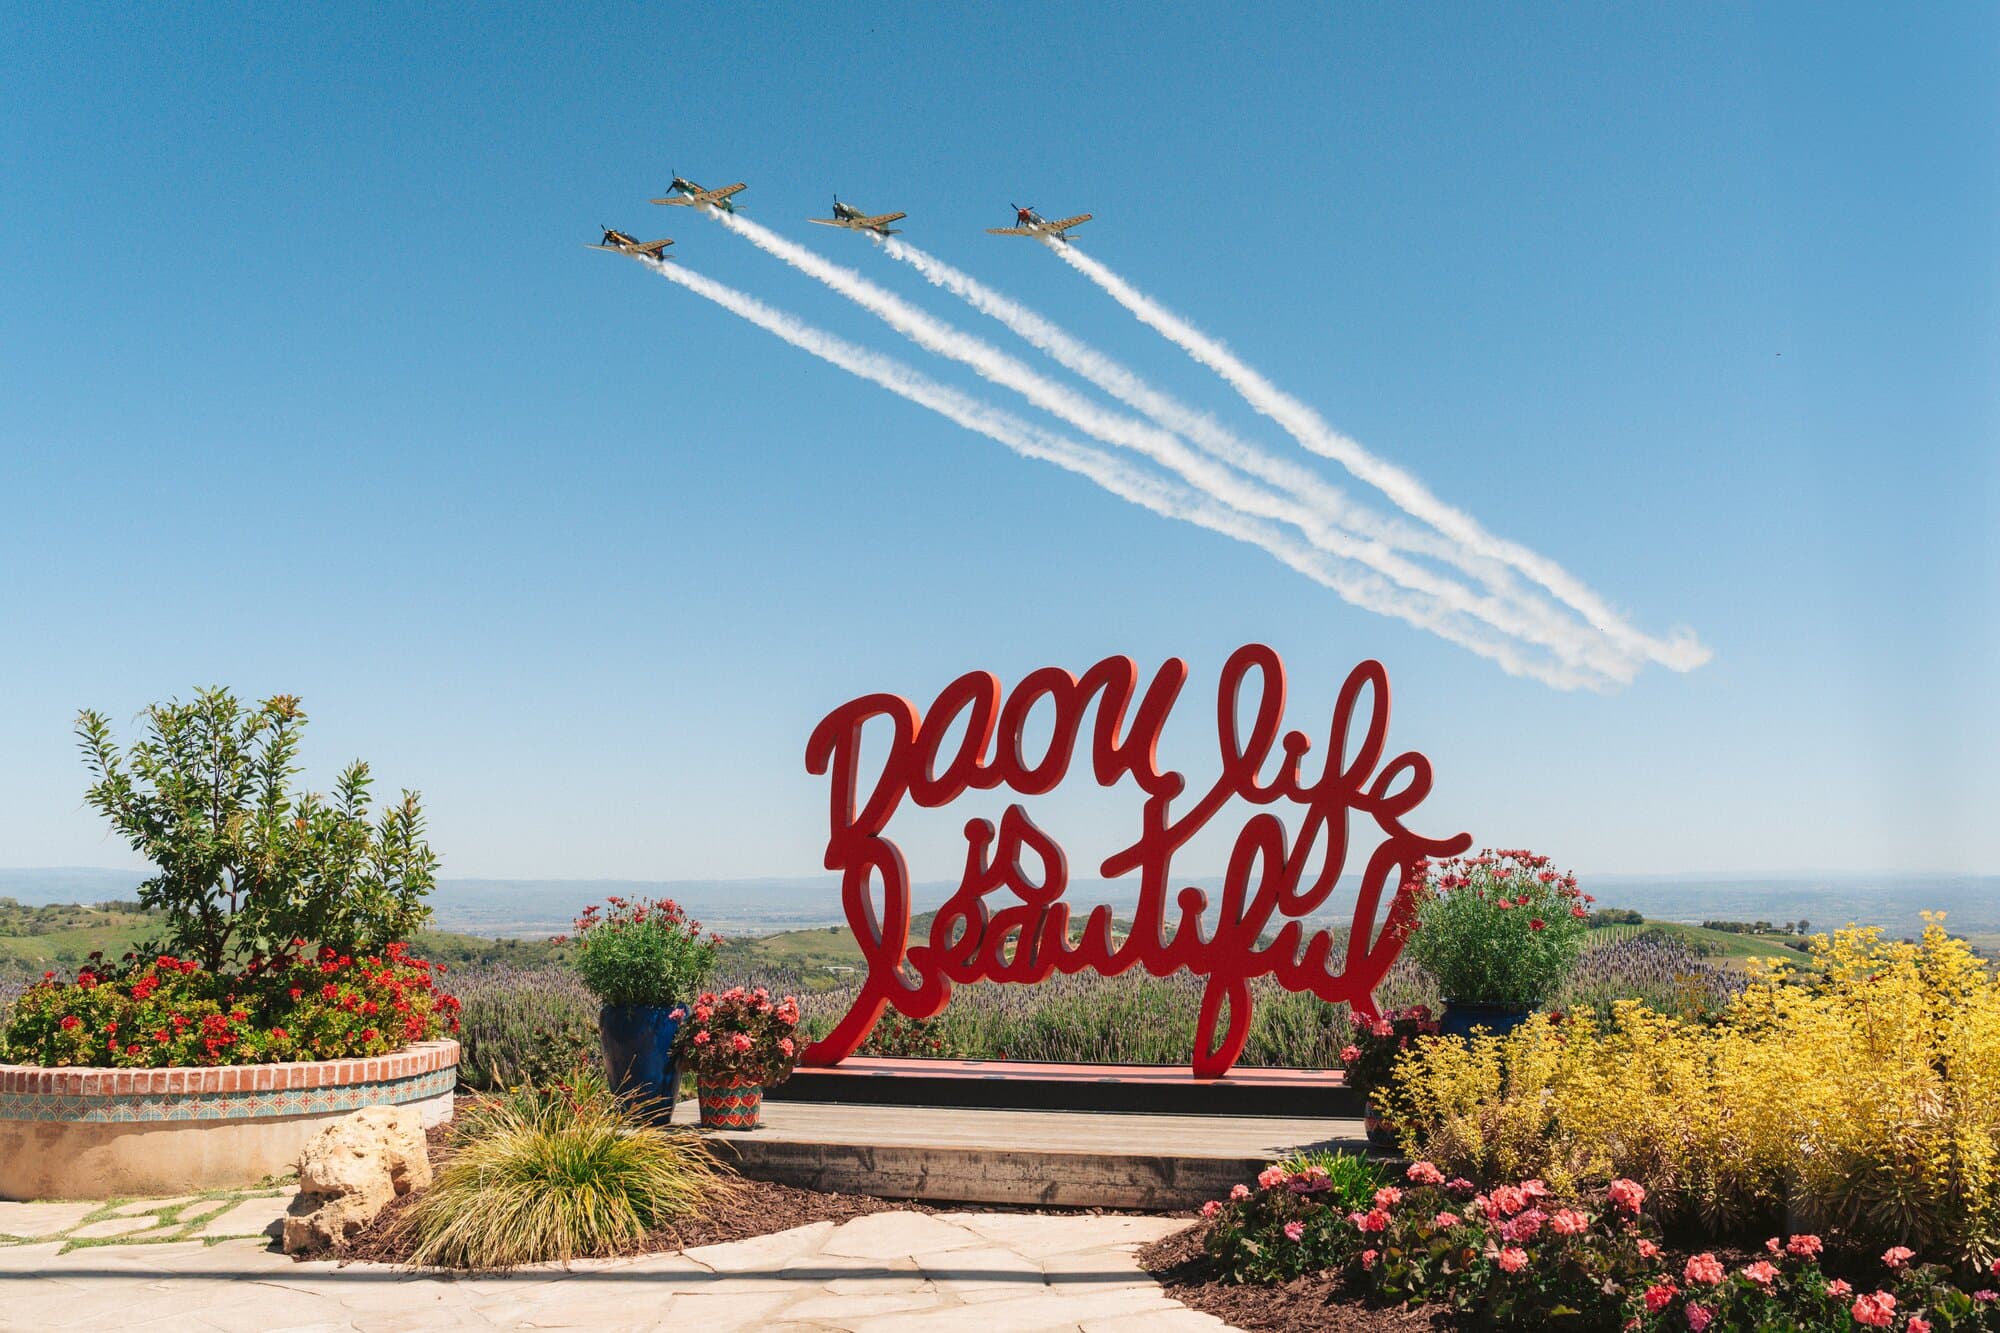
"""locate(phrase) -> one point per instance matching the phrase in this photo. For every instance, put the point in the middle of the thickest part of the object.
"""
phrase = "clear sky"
(307, 385)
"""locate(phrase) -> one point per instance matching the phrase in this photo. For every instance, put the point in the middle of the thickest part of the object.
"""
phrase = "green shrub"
(553, 1174)
(245, 864)
(518, 1028)
(645, 952)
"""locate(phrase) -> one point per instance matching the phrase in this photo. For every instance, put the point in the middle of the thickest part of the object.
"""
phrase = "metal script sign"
(1008, 922)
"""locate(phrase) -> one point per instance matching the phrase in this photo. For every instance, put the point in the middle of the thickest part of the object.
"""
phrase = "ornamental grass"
(553, 1174)
(1862, 1096)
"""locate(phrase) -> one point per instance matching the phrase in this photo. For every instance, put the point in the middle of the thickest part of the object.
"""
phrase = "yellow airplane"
(1027, 222)
(686, 194)
(852, 218)
(620, 243)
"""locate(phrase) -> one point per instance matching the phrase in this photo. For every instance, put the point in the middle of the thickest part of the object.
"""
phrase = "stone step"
(1076, 1159)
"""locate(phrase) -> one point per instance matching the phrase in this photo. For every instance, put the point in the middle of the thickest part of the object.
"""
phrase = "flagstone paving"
(209, 1262)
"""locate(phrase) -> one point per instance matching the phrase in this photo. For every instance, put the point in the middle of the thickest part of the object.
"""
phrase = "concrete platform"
(1025, 1158)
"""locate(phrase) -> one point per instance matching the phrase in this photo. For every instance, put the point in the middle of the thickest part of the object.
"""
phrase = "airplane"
(686, 194)
(852, 218)
(619, 243)
(1027, 222)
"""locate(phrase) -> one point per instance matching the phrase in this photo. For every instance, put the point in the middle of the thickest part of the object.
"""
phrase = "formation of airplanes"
(684, 193)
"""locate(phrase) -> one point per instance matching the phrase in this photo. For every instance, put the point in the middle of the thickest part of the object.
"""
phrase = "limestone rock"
(351, 1170)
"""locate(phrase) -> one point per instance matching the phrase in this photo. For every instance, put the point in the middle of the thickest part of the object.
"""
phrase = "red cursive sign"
(1029, 936)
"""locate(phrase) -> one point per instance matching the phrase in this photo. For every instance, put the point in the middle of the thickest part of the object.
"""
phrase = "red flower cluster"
(290, 1006)
(739, 1034)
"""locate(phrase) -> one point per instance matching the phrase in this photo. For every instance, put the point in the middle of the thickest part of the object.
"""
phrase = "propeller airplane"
(684, 193)
(619, 243)
(1027, 222)
(852, 218)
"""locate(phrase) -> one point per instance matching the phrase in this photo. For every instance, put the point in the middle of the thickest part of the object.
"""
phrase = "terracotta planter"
(732, 1103)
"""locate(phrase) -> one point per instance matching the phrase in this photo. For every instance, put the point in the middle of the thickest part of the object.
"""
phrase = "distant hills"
(539, 907)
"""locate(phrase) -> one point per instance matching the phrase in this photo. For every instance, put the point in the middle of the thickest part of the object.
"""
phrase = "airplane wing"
(674, 199)
(652, 247)
(1009, 231)
(883, 219)
(716, 196)
(1067, 223)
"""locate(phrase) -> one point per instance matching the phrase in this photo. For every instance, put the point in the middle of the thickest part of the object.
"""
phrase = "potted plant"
(641, 959)
(1499, 931)
(738, 1043)
(1368, 1060)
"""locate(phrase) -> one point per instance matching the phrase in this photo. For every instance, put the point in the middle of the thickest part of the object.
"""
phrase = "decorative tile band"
(251, 1092)
(226, 1105)
(34, 1080)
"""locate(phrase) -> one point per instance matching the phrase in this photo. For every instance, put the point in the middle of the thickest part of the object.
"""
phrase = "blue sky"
(306, 385)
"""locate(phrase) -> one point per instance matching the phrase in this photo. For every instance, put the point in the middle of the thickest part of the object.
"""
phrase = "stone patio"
(207, 1262)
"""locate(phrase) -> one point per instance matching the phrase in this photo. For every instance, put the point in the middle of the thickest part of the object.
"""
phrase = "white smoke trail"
(1682, 652)
(1149, 490)
(1569, 641)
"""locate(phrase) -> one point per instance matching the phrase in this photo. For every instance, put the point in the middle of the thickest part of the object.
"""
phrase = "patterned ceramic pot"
(732, 1103)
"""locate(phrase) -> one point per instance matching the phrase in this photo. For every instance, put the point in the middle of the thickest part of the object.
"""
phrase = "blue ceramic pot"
(1461, 1016)
(638, 1041)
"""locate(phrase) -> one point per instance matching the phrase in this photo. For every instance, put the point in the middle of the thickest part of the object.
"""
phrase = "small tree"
(246, 865)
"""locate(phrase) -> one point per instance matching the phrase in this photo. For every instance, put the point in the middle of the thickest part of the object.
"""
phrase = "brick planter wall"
(100, 1133)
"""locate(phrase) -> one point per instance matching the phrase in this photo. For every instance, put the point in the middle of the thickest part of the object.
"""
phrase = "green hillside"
(1718, 944)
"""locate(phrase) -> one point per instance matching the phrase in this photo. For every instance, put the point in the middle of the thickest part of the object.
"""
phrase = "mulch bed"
(1316, 1304)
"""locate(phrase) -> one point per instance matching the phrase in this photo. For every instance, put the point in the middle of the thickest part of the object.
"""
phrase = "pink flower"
(741, 1041)
(1368, 1258)
(1772, 1246)
(1761, 1272)
(1423, 1173)
(1444, 1220)
(1703, 1268)
(1460, 1185)
(1388, 1197)
(1239, 1191)
(1508, 1200)
(1270, 1177)
(1349, 1054)
(1660, 1295)
(1837, 1288)
(1627, 1194)
(1534, 1189)
(1898, 1255)
(1877, 1309)
(1986, 1294)
(1526, 1226)
(1372, 1220)
(1917, 1324)
(1294, 1230)
(1648, 1250)
(786, 1047)
(1211, 1208)
(1512, 1260)
(1698, 1316)
(1569, 1222)
(701, 1039)
(1804, 1247)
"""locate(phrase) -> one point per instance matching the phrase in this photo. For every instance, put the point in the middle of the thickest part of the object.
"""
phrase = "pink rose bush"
(1513, 1257)
(739, 1033)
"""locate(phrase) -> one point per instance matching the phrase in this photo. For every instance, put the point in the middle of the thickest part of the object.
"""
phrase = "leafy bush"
(1519, 1257)
(645, 952)
(1370, 1058)
(740, 1034)
(170, 1011)
(1499, 928)
(1863, 1096)
(523, 1027)
(550, 1174)
(246, 864)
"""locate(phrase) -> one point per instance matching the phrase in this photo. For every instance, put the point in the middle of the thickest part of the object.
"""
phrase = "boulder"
(351, 1170)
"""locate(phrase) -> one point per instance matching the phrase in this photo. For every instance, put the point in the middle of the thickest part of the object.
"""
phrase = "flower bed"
(96, 1133)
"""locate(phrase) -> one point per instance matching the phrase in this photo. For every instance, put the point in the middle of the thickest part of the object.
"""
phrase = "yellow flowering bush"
(1860, 1093)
